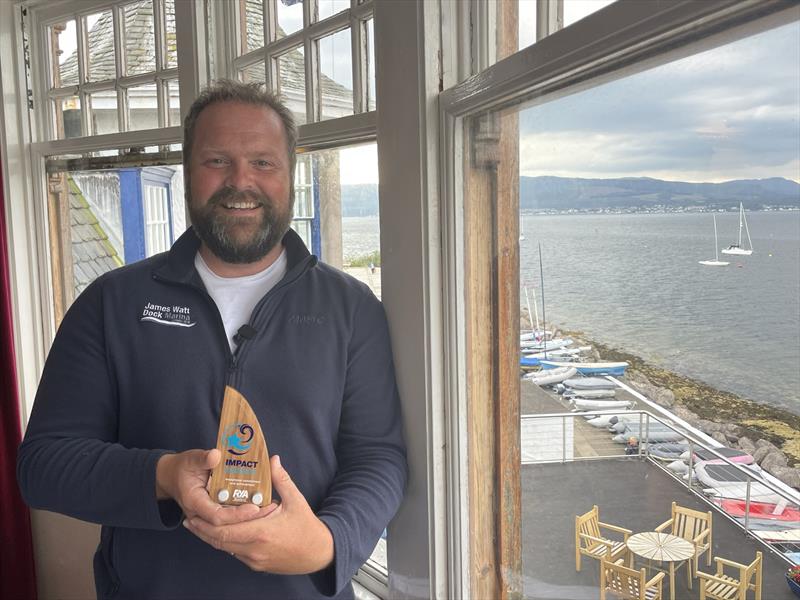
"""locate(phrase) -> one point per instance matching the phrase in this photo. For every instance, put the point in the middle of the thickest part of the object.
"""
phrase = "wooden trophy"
(243, 473)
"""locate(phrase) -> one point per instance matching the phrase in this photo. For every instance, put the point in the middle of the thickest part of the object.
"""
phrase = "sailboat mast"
(530, 316)
(741, 214)
(716, 250)
(544, 319)
(747, 230)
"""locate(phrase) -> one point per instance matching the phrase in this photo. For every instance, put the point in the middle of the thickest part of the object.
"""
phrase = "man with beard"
(130, 398)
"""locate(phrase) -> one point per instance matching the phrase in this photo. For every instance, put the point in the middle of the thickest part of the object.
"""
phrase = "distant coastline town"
(570, 195)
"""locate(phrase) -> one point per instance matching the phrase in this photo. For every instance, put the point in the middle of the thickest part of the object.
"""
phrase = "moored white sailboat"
(716, 262)
(737, 248)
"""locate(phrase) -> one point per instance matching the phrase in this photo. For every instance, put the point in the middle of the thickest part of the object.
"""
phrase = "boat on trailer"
(590, 368)
(760, 510)
(593, 394)
(589, 383)
(589, 404)
(551, 376)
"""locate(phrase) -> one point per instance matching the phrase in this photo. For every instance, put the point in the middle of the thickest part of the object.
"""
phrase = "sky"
(732, 112)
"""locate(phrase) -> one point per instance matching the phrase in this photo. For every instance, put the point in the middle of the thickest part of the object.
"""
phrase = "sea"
(632, 281)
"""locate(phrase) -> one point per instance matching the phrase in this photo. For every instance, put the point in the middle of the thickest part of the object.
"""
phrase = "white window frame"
(616, 41)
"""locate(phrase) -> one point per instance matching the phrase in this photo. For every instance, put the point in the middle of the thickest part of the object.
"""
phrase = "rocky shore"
(771, 435)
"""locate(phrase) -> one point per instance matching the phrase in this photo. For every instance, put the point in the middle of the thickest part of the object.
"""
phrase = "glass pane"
(336, 75)
(100, 39)
(527, 23)
(290, 16)
(173, 102)
(328, 8)
(68, 117)
(171, 41)
(292, 83)
(140, 41)
(104, 116)
(630, 291)
(371, 98)
(64, 59)
(303, 228)
(303, 188)
(575, 10)
(253, 73)
(107, 229)
(142, 107)
(253, 26)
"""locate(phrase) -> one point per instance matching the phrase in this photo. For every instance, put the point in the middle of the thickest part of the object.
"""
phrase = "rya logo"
(179, 316)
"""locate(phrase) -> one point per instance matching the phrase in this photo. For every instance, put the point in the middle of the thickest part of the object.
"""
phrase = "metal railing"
(782, 543)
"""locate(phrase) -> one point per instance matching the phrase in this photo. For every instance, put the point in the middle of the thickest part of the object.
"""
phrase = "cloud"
(726, 113)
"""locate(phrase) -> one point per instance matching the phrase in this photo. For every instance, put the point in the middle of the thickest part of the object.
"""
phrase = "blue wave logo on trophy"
(238, 437)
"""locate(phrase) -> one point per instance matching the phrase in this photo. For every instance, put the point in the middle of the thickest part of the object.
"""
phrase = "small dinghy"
(678, 466)
(732, 454)
(652, 437)
(550, 376)
(782, 536)
(589, 383)
(595, 394)
(760, 510)
(593, 404)
(591, 368)
(726, 481)
(668, 451)
(603, 420)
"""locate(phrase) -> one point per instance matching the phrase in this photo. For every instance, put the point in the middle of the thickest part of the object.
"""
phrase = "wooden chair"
(629, 584)
(695, 527)
(724, 587)
(590, 541)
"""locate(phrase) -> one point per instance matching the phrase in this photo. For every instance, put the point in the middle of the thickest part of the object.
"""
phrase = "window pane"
(104, 116)
(100, 38)
(68, 117)
(336, 75)
(371, 98)
(292, 83)
(140, 42)
(173, 102)
(575, 10)
(303, 188)
(620, 270)
(171, 36)
(328, 8)
(142, 107)
(527, 23)
(115, 216)
(253, 73)
(253, 26)
(290, 17)
(64, 58)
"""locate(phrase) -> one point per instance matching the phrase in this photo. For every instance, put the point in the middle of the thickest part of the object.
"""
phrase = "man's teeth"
(242, 205)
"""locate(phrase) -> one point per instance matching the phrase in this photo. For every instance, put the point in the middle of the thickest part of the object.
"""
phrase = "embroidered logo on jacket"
(179, 316)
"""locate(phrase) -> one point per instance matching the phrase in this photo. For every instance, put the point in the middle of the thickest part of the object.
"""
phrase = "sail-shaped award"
(243, 474)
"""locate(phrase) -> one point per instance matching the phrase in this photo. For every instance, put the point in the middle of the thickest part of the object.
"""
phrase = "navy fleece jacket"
(138, 368)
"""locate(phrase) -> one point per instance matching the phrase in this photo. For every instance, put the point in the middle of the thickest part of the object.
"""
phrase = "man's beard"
(217, 230)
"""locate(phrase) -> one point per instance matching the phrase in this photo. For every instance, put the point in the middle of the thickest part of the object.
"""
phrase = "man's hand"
(289, 540)
(183, 478)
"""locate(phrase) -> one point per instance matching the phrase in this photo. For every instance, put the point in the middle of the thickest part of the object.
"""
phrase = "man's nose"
(239, 176)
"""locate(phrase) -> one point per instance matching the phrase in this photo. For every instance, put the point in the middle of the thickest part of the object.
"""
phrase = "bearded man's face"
(239, 184)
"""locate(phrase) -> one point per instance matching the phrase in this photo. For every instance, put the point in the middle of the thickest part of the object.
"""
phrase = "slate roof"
(92, 253)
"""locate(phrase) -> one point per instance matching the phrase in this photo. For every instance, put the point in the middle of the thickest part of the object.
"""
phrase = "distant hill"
(645, 193)
(562, 193)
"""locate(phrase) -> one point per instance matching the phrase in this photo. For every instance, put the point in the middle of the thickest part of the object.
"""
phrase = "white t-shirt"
(236, 297)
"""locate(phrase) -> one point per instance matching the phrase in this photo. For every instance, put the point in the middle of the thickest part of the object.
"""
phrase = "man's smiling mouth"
(241, 205)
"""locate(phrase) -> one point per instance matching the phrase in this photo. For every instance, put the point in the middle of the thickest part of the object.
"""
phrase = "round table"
(662, 547)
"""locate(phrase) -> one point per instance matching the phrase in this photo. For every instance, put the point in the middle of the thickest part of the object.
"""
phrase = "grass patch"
(365, 260)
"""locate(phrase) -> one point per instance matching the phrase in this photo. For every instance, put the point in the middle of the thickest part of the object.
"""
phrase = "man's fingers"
(212, 458)
(225, 536)
(282, 483)
(217, 515)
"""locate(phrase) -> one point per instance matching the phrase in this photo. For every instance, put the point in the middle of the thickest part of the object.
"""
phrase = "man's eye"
(263, 164)
(216, 162)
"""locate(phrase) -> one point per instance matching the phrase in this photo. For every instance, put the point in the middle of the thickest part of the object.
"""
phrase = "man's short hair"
(227, 90)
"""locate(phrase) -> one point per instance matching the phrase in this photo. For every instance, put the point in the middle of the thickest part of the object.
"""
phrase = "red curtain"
(17, 575)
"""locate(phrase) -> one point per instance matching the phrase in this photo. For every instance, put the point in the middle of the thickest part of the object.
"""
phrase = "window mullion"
(358, 52)
(549, 17)
(311, 62)
(83, 68)
(119, 65)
